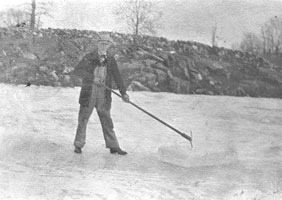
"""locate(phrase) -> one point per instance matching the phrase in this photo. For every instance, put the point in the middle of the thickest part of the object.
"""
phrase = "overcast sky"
(182, 19)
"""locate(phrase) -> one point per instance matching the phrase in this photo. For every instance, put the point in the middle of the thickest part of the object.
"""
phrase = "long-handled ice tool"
(189, 138)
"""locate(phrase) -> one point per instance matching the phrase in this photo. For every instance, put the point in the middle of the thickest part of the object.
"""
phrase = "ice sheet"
(37, 127)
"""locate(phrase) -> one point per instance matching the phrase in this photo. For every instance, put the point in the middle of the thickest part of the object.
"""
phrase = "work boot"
(77, 150)
(118, 151)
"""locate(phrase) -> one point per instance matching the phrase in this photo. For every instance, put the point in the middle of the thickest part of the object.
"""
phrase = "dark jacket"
(85, 69)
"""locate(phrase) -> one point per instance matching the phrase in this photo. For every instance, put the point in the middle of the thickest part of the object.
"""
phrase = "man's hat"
(105, 38)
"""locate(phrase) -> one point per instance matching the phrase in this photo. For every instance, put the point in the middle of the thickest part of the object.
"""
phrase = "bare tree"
(13, 17)
(141, 16)
(267, 42)
(251, 43)
(271, 33)
(32, 15)
(264, 40)
(214, 35)
(36, 10)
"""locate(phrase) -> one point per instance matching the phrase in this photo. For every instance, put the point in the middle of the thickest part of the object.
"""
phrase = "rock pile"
(47, 57)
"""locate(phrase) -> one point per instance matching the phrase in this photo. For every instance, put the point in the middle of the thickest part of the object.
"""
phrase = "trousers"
(103, 108)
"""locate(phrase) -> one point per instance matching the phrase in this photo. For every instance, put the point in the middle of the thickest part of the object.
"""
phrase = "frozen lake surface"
(237, 150)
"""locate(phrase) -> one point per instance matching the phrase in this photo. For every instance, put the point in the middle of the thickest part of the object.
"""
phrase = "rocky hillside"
(157, 64)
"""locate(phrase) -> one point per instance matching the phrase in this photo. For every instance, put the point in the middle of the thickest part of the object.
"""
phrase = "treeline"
(140, 17)
(26, 15)
(268, 42)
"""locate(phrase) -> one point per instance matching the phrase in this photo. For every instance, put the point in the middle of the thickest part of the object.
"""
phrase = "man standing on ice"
(96, 69)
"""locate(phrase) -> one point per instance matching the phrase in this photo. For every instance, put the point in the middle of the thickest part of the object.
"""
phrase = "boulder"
(241, 92)
(3, 53)
(66, 80)
(29, 55)
(161, 76)
(138, 77)
(204, 91)
(54, 75)
(137, 86)
(43, 68)
(31, 79)
(179, 86)
(216, 66)
(134, 65)
(20, 65)
(148, 70)
(163, 55)
(57, 84)
(151, 80)
(149, 62)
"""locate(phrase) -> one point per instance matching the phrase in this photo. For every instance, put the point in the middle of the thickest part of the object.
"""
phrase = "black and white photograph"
(141, 100)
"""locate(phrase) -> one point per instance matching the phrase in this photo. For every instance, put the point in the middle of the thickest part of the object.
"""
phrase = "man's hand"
(125, 98)
(98, 82)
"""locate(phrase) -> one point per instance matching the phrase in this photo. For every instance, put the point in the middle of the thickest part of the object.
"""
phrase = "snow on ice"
(237, 150)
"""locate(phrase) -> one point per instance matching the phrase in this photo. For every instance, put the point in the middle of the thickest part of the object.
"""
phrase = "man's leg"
(103, 110)
(108, 128)
(83, 117)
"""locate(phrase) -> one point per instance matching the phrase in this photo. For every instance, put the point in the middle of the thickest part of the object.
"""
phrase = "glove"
(125, 98)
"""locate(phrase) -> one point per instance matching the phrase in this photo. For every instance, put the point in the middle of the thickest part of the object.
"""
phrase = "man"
(96, 69)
